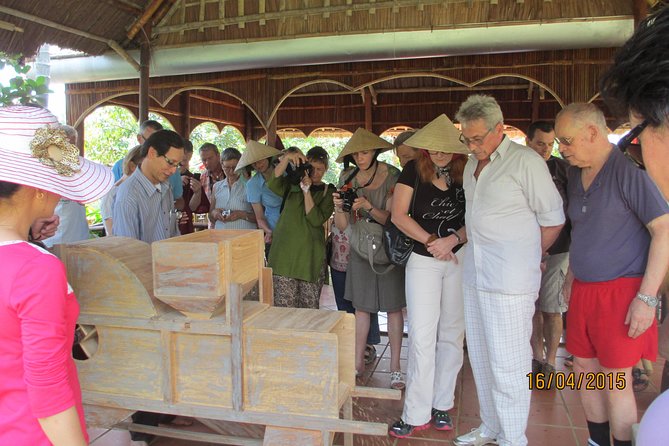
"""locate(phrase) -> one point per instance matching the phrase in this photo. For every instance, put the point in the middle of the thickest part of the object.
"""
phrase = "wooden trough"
(166, 329)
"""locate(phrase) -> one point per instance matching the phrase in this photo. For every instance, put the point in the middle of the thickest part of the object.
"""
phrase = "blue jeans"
(339, 285)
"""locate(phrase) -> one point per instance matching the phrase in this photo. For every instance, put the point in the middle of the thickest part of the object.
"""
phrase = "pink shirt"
(38, 312)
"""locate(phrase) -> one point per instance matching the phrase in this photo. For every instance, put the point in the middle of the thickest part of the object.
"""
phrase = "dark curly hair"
(638, 81)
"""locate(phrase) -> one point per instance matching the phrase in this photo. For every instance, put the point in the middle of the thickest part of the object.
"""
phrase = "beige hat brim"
(363, 140)
(440, 135)
(256, 151)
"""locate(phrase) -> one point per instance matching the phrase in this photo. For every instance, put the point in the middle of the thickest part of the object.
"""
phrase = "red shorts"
(596, 324)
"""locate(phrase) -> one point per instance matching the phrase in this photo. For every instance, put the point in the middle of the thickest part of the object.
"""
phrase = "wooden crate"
(192, 272)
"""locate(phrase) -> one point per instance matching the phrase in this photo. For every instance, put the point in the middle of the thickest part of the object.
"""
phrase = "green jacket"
(298, 240)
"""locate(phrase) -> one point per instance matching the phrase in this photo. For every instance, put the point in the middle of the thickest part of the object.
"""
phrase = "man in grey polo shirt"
(618, 257)
(143, 208)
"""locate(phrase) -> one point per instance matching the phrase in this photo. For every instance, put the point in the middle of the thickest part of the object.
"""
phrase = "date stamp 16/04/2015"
(577, 381)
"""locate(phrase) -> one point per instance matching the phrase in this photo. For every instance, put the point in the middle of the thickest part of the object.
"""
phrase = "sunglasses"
(630, 150)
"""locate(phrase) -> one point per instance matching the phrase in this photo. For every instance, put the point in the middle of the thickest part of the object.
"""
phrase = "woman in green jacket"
(297, 255)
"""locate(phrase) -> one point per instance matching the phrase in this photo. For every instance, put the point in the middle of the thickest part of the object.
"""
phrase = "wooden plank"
(377, 393)
(277, 436)
(290, 372)
(266, 286)
(203, 369)
(347, 412)
(297, 319)
(236, 353)
(345, 331)
(104, 417)
(181, 434)
(168, 367)
(217, 413)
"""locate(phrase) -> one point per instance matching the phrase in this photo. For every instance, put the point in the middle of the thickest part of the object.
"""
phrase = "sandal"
(370, 354)
(641, 380)
(396, 380)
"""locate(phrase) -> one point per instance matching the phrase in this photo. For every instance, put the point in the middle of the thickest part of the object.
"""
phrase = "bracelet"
(430, 239)
(455, 233)
(371, 208)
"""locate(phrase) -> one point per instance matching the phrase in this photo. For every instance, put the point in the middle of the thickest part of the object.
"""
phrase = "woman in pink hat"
(40, 398)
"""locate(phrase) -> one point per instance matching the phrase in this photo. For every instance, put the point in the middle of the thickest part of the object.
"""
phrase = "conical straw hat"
(256, 152)
(440, 135)
(363, 140)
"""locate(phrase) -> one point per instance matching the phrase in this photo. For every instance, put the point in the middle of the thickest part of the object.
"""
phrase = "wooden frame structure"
(218, 358)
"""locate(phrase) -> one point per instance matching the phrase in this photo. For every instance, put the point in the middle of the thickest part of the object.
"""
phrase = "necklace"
(446, 173)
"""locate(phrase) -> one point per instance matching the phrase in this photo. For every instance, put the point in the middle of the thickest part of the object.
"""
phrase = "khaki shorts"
(550, 294)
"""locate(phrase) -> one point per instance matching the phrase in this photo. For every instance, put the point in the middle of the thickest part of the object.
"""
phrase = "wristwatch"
(651, 301)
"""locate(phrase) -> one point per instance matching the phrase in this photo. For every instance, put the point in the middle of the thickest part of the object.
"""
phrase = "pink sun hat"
(35, 153)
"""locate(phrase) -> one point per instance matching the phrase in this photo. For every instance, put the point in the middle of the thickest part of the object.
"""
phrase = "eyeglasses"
(633, 151)
(564, 140)
(229, 166)
(477, 140)
(172, 163)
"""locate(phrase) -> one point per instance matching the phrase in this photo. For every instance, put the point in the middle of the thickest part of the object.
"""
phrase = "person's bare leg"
(552, 332)
(395, 333)
(594, 402)
(361, 330)
(621, 404)
(537, 339)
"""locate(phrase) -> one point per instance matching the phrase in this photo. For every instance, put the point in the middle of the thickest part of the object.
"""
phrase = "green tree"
(21, 89)
(208, 132)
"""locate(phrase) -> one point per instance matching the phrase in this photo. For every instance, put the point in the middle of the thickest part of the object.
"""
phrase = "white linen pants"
(435, 316)
(499, 327)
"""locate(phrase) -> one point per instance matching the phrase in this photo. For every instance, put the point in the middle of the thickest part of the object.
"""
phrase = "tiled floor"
(556, 416)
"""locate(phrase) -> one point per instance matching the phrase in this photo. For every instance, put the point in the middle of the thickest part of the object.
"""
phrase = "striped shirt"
(235, 200)
(142, 211)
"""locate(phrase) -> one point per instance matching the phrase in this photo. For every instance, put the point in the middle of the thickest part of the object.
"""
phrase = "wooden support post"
(249, 122)
(640, 11)
(368, 110)
(535, 104)
(234, 298)
(144, 70)
(271, 132)
(80, 139)
(185, 114)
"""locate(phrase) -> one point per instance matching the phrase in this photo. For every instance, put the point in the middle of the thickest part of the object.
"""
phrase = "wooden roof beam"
(242, 19)
(10, 27)
(144, 18)
(111, 43)
(125, 5)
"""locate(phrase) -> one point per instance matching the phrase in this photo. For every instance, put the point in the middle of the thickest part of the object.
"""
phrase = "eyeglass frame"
(467, 141)
(172, 163)
(625, 142)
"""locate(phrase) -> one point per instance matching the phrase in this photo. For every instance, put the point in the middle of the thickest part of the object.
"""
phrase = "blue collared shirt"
(142, 210)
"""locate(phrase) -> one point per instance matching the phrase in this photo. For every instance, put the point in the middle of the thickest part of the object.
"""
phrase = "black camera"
(294, 174)
(349, 196)
(197, 175)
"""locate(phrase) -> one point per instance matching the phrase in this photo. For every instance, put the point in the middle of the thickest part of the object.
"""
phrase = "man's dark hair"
(208, 146)
(161, 141)
(188, 146)
(544, 126)
(638, 81)
(150, 123)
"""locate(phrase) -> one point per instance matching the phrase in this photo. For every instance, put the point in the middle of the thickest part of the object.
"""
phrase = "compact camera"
(349, 196)
(294, 174)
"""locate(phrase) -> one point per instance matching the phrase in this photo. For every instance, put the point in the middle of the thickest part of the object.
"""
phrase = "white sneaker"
(473, 438)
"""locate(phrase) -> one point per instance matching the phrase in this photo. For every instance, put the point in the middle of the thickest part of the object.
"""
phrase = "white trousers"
(435, 316)
(499, 327)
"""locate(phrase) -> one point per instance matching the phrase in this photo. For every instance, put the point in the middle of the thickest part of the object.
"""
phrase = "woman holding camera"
(371, 288)
(297, 255)
(429, 207)
(229, 208)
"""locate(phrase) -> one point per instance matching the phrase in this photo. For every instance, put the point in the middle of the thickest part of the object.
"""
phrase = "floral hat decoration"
(36, 153)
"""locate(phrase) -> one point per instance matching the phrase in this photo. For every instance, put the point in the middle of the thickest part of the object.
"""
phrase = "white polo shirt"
(513, 197)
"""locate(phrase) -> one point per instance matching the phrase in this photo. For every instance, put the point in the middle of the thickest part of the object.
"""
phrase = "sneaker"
(403, 430)
(473, 438)
(441, 420)
(396, 380)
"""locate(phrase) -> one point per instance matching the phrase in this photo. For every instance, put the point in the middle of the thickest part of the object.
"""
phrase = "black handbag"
(397, 244)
